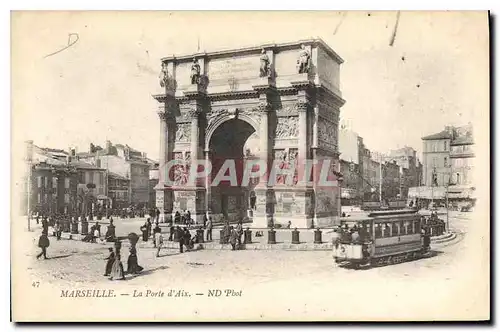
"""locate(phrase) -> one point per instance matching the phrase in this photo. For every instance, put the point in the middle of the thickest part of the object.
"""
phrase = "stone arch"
(211, 129)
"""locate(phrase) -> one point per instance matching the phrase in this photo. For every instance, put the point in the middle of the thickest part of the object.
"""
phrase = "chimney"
(144, 156)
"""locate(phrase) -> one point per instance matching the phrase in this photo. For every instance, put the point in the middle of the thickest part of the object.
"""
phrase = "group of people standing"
(114, 266)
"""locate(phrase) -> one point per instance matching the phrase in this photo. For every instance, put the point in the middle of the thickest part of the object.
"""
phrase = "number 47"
(35, 284)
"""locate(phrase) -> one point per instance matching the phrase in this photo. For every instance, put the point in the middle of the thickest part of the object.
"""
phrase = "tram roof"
(381, 216)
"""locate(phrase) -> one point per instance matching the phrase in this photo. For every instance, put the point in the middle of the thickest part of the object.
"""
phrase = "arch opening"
(233, 142)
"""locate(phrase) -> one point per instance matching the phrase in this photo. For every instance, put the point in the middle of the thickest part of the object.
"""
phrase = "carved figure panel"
(180, 171)
(325, 200)
(287, 127)
(287, 110)
(286, 162)
(327, 133)
(182, 133)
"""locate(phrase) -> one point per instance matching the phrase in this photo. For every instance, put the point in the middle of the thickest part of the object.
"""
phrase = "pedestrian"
(188, 242)
(209, 229)
(157, 215)
(58, 229)
(180, 236)
(109, 264)
(144, 230)
(97, 235)
(110, 232)
(177, 218)
(43, 243)
(233, 238)
(45, 225)
(156, 230)
(133, 266)
(289, 224)
(149, 225)
(171, 233)
(117, 268)
(205, 219)
(336, 237)
(98, 228)
(159, 243)
(226, 231)
(37, 219)
(239, 231)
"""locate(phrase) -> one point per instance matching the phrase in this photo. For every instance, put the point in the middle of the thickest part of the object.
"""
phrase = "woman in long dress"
(133, 266)
(110, 260)
(233, 238)
(117, 268)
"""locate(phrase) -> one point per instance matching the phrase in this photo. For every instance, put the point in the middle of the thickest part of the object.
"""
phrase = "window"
(54, 183)
(66, 183)
(101, 178)
(46, 181)
(39, 198)
(98, 163)
(66, 198)
(445, 146)
(417, 227)
(39, 179)
(395, 229)
(445, 161)
(378, 231)
(81, 177)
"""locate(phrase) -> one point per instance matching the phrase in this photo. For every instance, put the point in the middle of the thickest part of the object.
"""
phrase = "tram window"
(387, 230)
(378, 231)
(408, 228)
(395, 229)
(402, 228)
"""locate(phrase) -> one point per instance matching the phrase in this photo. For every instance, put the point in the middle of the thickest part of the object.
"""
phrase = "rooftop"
(83, 165)
(464, 140)
(256, 49)
(441, 135)
(117, 176)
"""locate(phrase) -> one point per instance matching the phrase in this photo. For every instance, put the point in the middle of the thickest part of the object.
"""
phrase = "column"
(264, 143)
(208, 181)
(194, 139)
(163, 145)
(302, 141)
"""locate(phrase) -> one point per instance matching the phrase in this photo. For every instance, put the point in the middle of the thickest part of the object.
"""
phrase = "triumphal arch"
(278, 104)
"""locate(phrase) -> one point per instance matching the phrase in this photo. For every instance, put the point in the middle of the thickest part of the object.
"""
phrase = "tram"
(381, 238)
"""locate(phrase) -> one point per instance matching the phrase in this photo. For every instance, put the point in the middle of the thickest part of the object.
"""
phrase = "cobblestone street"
(259, 273)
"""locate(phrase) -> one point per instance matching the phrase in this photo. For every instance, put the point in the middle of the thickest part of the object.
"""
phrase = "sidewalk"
(283, 241)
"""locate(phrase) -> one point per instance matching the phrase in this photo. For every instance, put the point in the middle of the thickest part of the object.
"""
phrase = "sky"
(434, 74)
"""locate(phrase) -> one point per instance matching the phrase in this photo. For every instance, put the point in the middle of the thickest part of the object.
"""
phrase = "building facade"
(118, 191)
(286, 94)
(51, 183)
(436, 158)
(125, 163)
(448, 167)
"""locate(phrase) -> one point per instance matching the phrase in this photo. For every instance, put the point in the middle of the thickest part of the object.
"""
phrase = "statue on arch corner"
(265, 70)
(195, 72)
(304, 60)
(163, 75)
